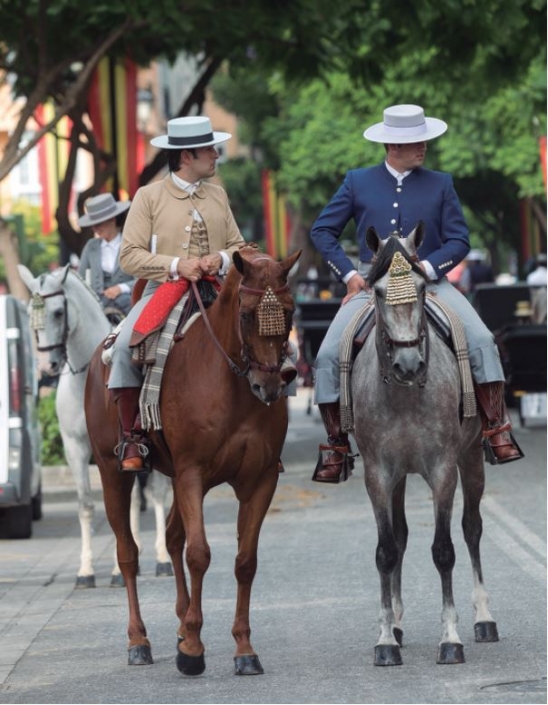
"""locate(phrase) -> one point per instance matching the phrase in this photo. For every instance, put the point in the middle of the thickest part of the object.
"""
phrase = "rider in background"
(100, 261)
(394, 196)
(180, 227)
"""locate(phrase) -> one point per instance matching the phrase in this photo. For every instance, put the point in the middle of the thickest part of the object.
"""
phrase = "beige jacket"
(159, 223)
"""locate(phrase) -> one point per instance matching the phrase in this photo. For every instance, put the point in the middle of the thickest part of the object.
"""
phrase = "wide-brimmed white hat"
(189, 132)
(100, 208)
(404, 124)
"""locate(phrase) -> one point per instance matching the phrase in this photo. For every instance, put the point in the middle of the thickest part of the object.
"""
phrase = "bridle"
(249, 363)
(38, 325)
(386, 344)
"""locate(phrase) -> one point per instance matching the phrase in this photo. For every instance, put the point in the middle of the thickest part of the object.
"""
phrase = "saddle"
(168, 299)
(445, 324)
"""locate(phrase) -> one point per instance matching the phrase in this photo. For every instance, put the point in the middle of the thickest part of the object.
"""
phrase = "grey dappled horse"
(406, 397)
(70, 323)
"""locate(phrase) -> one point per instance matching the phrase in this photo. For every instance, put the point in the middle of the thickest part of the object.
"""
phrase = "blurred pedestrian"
(477, 271)
(100, 259)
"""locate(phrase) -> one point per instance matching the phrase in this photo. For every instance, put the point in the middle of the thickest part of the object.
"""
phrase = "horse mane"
(383, 258)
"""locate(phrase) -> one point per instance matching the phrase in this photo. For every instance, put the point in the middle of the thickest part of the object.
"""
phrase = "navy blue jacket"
(372, 197)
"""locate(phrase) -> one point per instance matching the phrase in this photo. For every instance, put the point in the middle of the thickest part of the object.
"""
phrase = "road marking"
(528, 563)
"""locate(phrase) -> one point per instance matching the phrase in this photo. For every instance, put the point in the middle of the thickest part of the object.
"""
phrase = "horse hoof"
(190, 665)
(85, 581)
(450, 653)
(387, 655)
(398, 635)
(163, 569)
(248, 665)
(117, 581)
(486, 631)
(140, 655)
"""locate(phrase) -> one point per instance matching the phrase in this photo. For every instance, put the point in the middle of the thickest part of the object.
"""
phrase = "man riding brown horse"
(179, 228)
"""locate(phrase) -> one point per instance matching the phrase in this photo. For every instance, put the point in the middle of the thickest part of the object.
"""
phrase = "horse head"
(399, 286)
(266, 310)
(54, 315)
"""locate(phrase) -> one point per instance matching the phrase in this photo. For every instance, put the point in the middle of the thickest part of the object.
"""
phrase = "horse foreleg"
(77, 454)
(473, 482)
(175, 542)
(251, 515)
(387, 648)
(117, 489)
(401, 531)
(443, 553)
(189, 493)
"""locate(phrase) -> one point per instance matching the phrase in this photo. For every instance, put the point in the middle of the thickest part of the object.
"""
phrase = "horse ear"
(289, 262)
(372, 239)
(28, 279)
(238, 261)
(64, 273)
(417, 235)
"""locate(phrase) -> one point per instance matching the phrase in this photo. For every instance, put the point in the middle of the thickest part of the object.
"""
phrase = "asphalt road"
(314, 604)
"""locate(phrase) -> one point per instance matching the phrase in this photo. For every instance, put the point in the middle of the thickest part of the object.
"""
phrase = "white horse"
(70, 323)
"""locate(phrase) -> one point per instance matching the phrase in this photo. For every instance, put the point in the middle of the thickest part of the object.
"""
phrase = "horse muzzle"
(408, 366)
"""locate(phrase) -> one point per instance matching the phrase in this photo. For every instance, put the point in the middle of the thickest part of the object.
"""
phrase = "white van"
(20, 469)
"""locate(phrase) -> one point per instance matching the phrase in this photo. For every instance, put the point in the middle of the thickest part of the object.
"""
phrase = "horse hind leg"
(485, 627)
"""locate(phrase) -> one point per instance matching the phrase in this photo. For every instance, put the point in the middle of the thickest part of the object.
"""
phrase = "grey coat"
(90, 259)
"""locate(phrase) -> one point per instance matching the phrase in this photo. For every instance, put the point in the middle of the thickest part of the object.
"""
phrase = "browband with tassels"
(401, 288)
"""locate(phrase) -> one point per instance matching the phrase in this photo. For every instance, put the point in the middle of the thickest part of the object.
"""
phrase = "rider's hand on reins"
(190, 269)
(354, 285)
(211, 264)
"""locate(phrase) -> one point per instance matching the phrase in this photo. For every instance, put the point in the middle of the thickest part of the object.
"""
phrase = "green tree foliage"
(52, 452)
(479, 66)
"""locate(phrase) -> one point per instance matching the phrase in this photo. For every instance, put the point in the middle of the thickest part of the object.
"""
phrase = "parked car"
(20, 469)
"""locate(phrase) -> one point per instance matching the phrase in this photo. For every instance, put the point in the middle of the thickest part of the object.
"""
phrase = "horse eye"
(58, 313)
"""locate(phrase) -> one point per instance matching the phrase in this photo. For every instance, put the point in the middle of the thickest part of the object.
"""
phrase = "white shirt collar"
(185, 185)
(400, 176)
(115, 242)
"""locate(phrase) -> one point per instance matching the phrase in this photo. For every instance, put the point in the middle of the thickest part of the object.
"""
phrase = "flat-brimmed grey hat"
(189, 132)
(405, 124)
(100, 208)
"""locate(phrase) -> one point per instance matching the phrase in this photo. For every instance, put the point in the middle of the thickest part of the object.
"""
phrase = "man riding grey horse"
(394, 196)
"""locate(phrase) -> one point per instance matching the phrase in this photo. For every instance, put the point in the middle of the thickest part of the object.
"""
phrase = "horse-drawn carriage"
(511, 313)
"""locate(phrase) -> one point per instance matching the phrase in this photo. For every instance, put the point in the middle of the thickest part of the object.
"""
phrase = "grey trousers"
(482, 349)
(126, 374)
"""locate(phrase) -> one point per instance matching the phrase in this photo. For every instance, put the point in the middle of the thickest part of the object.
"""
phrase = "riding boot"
(499, 444)
(335, 462)
(131, 450)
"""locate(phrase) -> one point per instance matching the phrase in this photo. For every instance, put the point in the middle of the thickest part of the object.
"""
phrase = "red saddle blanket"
(155, 313)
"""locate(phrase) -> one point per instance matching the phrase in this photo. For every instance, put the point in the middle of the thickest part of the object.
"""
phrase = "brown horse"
(224, 417)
